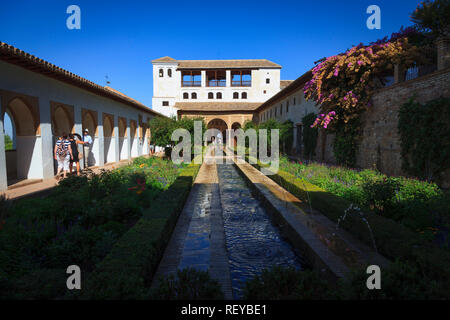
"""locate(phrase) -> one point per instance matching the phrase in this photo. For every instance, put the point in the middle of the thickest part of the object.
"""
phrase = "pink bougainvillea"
(343, 84)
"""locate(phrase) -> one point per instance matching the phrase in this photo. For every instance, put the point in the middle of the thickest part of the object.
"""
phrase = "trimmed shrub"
(393, 240)
(188, 284)
(280, 283)
(401, 280)
(127, 271)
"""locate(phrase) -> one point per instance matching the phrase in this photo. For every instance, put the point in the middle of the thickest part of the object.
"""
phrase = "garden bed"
(127, 271)
(79, 223)
(394, 239)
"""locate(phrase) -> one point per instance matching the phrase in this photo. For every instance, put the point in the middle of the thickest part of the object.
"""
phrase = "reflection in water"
(253, 242)
(196, 251)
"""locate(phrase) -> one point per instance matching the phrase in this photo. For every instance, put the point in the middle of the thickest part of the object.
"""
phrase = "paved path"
(198, 240)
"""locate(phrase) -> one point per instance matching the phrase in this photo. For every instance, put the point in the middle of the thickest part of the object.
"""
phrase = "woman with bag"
(63, 154)
(75, 154)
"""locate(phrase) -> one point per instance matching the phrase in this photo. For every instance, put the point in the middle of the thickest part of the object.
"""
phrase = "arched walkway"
(220, 125)
(123, 139)
(62, 120)
(62, 123)
(22, 162)
(235, 126)
(89, 121)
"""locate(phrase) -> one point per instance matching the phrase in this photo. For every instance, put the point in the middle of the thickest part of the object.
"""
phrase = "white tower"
(166, 84)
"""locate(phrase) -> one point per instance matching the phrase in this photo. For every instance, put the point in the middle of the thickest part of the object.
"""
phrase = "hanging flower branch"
(343, 84)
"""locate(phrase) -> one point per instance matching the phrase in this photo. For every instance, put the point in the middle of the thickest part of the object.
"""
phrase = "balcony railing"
(418, 71)
(239, 83)
(216, 83)
(185, 83)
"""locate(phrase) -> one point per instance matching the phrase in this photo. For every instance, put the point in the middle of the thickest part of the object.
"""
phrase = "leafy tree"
(286, 135)
(8, 142)
(433, 17)
(161, 129)
(309, 135)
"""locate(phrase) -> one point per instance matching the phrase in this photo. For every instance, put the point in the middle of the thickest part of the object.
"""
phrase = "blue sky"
(120, 38)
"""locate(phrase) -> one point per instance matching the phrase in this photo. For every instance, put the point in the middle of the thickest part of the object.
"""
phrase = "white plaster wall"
(123, 145)
(298, 108)
(29, 157)
(134, 148)
(110, 149)
(296, 111)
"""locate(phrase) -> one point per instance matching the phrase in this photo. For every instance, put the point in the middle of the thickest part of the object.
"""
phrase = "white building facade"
(214, 81)
(290, 104)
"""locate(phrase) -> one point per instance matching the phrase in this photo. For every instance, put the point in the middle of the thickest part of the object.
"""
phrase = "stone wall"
(380, 145)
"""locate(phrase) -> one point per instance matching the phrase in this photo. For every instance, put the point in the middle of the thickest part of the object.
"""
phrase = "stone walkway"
(198, 240)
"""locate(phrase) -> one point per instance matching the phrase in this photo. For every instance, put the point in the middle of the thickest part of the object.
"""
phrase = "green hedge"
(393, 240)
(127, 271)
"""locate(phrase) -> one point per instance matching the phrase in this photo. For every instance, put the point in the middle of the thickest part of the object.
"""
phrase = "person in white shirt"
(87, 145)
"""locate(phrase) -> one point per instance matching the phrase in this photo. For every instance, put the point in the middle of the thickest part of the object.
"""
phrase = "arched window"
(169, 73)
(210, 95)
(193, 95)
(281, 109)
(235, 95)
(244, 95)
(185, 95)
(161, 73)
(219, 95)
(287, 106)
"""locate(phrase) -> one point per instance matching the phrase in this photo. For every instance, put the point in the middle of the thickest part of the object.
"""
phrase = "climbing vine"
(309, 135)
(424, 137)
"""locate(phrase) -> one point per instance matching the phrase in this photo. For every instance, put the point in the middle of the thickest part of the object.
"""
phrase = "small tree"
(309, 135)
(286, 135)
(8, 142)
(162, 128)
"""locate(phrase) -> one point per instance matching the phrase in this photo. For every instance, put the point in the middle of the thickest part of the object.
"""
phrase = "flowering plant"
(343, 84)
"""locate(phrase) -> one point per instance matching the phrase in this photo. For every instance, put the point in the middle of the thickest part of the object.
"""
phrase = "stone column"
(116, 139)
(228, 78)
(399, 73)
(78, 126)
(46, 138)
(101, 141)
(203, 76)
(128, 134)
(443, 53)
(139, 146)
(3, 169)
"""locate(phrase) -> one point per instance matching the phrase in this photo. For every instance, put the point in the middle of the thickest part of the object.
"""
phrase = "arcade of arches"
(221, 120)
(119, 137)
